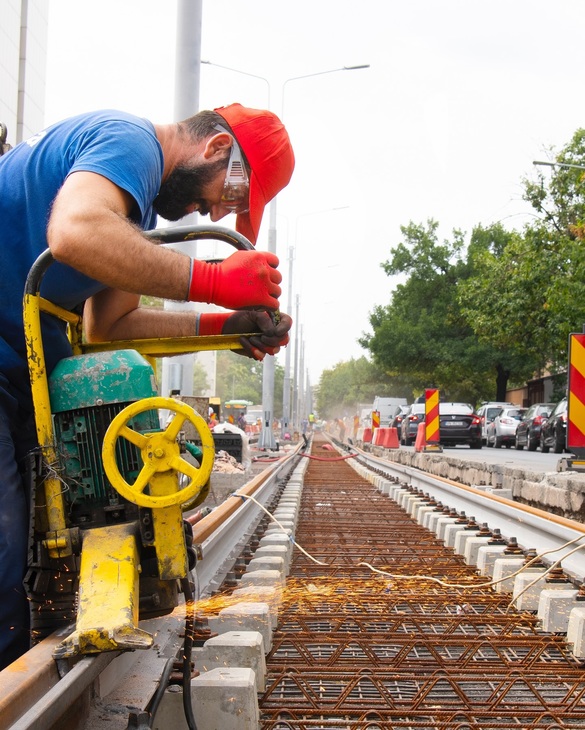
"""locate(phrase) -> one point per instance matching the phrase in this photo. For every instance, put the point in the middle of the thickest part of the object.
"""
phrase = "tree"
(349, 383)
(240, 378)
(423, 334)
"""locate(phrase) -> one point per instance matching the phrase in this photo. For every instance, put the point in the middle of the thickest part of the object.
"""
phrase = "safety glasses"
(236, 188)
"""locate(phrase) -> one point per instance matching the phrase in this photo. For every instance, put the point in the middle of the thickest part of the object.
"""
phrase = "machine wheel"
(160, 453)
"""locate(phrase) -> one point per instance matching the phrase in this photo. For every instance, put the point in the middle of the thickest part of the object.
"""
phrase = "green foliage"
(357, 381)
(423, 333)
(239, 377)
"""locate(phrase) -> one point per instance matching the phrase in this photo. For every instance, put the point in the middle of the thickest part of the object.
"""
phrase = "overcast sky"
(461, 96)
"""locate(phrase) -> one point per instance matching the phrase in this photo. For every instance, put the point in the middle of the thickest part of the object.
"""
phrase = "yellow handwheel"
(160, 453)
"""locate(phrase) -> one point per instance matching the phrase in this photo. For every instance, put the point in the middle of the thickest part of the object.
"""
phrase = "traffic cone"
(421, 440)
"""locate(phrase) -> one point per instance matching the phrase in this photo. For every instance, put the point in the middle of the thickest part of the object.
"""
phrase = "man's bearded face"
(186, 186)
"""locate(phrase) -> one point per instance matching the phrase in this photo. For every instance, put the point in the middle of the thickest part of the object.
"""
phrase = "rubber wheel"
(498, 442)
(543, 447)
(531, 444)
(559, 446)
(518, 446)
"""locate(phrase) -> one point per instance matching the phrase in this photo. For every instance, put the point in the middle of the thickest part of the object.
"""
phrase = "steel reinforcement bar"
(356, 649)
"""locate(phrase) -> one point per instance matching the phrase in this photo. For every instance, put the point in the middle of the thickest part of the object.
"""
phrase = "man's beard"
(184, 187)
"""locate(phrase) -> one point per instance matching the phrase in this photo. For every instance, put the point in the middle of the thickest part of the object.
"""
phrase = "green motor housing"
(87, 392)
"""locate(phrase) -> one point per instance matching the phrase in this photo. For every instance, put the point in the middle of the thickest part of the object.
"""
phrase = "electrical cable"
(396, 576)
(187, 650)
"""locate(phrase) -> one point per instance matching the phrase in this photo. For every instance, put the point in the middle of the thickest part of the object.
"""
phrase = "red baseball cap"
(266, 145)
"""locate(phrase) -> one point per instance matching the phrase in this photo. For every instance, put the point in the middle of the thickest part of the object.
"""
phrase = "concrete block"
(235, 649)
(279, 551)
(273, 578)
(503, 569)
(554, 608)
(461, 539)
(442, 524)
(245, 616)
(486, 557)
(266, 562)
(278, 538)
(222, 698)
(422, 513)
(262, 594)
(471, 549)
(526, 598)
(450, 533)
(576, 632)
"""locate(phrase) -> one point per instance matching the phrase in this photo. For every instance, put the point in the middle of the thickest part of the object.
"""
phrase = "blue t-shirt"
(119, 146)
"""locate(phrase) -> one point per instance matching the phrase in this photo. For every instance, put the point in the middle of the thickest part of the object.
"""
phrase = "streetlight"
(266, 436)
(244, 73)
(286, 386)
(559, 164)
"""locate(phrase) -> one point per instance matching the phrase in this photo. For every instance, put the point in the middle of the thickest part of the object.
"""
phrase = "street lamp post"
(266, 437)
(286, 387)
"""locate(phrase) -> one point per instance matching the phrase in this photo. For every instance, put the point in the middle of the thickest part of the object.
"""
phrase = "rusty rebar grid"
(355, 650)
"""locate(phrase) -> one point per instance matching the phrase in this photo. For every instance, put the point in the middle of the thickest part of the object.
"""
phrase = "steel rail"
(533, 528)
(32, 690)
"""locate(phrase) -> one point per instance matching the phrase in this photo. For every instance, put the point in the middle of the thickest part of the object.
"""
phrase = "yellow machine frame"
(107, 614)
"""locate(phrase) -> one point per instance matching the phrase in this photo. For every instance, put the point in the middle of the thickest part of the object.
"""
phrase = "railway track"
(356, 649)
(364, 639)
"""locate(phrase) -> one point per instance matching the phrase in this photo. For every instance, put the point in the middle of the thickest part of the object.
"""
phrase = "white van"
(387, 407)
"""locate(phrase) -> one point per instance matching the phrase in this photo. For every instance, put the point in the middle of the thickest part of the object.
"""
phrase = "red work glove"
(244, 279)
(270, 339)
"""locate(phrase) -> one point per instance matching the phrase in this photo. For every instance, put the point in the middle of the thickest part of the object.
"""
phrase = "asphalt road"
(509, 457)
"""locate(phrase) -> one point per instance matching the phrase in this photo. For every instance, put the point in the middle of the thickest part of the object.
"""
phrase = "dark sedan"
(528, 431)
(459, 424)
(553, 434)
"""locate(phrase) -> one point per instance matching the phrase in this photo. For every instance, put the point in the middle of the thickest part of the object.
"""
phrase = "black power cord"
(187, 651)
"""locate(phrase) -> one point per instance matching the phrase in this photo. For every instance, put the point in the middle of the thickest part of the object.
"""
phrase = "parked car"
(459, 424)
(502, 430)
(396, 421)
(409, 425)
(528, 431)
(553, 434)
(487, 411)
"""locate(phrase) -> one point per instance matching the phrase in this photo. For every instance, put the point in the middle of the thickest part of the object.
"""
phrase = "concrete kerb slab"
(223, 698)
(235, 649)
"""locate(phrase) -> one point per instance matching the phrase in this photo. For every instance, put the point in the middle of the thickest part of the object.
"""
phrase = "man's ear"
(216, 146)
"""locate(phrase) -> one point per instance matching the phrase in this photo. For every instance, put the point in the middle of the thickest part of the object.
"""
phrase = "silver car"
(501, 431)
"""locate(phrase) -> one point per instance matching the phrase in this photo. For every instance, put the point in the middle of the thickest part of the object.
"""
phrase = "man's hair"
(204, 124)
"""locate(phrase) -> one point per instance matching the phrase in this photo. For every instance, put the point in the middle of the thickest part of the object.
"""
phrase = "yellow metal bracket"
(107, 616)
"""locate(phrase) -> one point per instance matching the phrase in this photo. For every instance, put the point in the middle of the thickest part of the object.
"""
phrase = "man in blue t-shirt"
(87, 188)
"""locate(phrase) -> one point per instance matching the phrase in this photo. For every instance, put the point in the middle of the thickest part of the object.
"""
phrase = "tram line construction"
(355, 649)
